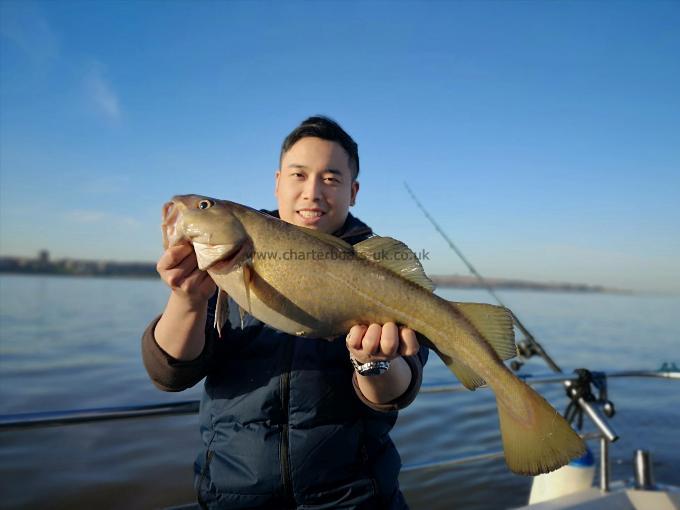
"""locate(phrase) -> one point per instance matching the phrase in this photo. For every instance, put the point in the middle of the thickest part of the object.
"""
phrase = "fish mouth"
(171, 225)
(178, 229)
(221, 258)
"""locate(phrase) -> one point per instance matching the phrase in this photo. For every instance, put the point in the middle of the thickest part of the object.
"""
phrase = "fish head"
(216, 233)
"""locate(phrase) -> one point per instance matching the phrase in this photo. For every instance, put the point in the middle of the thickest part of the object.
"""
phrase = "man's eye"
(332, 180)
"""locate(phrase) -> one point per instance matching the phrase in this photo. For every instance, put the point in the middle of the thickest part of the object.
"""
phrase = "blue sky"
(543, 136)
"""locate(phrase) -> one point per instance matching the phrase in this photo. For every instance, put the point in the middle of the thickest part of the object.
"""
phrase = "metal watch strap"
(371, 368)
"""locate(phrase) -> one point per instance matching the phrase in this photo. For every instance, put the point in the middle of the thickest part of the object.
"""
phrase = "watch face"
(376, 370)
(373, 368)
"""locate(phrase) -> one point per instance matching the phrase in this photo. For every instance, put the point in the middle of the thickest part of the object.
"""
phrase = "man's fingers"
(389, 340)
(409, 345)
(173, 256)
(179, 275)
(364, 340)
(198, 284)
(176, 254)
(371, 341)
(204, 281)
(376, 341)
(355, 336)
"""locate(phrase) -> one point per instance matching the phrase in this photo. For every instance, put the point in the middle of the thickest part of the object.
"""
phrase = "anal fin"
(494, 323)
(465, 375)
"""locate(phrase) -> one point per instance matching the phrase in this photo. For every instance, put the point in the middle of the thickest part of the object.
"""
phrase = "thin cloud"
(24, 25)
(85, 216)
(106, 184)
(101, 93)
(82, 216)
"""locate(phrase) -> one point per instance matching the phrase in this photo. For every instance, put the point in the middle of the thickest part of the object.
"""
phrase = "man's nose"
(312, 189)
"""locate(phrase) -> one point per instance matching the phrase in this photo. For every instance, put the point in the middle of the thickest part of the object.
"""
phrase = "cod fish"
(312, 284)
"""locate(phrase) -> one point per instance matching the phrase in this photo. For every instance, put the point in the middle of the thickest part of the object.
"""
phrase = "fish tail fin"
(536, 438)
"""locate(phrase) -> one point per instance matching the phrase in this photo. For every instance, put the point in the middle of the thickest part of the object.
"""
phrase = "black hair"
(325, 128)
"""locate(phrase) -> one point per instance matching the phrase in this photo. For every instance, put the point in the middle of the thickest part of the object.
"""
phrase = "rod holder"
(644, 479)
(575, 392)
(599, 420)
(604, 464)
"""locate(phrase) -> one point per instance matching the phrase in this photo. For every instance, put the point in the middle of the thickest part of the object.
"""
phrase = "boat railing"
(577, 386)
(596, 409)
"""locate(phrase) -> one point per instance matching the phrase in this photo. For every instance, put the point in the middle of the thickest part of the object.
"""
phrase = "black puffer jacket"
(281, 422)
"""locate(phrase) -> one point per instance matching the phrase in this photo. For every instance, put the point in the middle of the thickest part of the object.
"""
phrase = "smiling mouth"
(309, 214)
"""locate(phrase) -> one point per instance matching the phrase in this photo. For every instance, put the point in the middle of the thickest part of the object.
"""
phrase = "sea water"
(68, 342)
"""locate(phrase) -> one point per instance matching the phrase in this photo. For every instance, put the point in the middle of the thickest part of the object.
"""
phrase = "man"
(289, 422)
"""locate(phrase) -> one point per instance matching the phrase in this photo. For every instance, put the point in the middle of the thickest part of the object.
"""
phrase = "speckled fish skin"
(311, 284)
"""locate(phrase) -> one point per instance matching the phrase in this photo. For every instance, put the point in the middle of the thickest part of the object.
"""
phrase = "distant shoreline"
(471, 282)
(109, 269)
(75, 267)
(82, 275)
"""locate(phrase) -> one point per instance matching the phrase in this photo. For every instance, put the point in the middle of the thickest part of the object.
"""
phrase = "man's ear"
(354, 191)
(277, 175)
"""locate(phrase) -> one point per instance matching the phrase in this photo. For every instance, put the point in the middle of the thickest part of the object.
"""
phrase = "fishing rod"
(531, 346)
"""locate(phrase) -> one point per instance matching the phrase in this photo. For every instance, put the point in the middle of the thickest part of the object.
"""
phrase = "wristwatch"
(371, 368)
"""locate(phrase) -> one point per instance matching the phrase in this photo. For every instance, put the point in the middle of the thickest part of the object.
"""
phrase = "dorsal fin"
(395, 256)
(327, 238)
(494, 323)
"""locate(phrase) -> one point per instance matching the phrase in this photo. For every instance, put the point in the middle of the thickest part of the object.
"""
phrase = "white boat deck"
(625, 499)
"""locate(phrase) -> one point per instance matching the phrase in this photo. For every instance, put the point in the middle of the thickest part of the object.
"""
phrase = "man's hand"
(387, 342)
(180, 330)
(178, 268)
(376, 342)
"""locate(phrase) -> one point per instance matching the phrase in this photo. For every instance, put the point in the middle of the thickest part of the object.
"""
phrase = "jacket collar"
(353, 230)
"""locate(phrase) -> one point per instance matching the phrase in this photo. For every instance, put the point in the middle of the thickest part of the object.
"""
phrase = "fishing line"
(532, 345)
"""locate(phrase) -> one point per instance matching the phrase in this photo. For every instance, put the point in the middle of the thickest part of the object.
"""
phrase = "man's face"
(314, 185)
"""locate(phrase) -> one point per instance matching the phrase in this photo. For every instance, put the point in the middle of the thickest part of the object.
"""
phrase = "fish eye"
(205, 204)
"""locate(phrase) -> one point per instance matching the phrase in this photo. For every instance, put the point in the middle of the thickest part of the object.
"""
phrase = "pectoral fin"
(221, 311)
(242, 315)
(248, 272)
